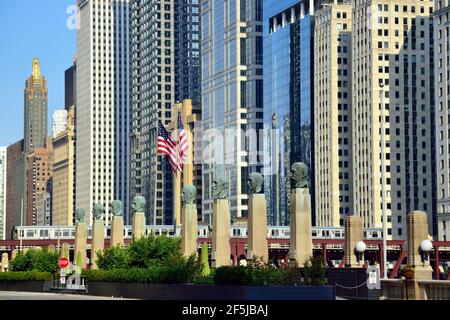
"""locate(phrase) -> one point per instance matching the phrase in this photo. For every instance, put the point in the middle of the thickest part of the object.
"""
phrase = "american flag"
(167, 146)
(182, 143)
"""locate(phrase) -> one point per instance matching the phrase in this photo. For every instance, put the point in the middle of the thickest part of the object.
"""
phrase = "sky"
(29, 29)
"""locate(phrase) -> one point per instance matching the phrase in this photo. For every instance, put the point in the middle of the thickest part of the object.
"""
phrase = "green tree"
(116, 257)
(154, 251)
(314, 271)
(36, 260)
(206, 271)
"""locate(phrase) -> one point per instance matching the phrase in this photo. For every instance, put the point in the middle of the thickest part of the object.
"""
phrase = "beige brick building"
(392, 44)
(332, 114)
(64, 173)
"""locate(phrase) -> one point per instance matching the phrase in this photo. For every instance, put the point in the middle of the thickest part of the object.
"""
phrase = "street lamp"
(383, 200)
(360, 247)
(425, 248)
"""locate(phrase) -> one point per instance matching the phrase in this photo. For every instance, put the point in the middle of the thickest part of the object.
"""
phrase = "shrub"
(155, 274)
(142, 253)
(26, 276)
(256, 273)
(206, 271)
(36, 260)
(154, 251)
(116, 257)
(238, 276)
(314, 271)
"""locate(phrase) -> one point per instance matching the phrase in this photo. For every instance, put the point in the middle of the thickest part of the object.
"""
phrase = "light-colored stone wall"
(221, 254)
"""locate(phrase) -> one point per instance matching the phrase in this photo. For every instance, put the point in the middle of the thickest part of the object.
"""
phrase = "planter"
(154, 291)
(25, 286)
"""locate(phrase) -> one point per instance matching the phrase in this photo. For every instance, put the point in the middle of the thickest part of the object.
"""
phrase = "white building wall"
(59, 122)
(100, 96)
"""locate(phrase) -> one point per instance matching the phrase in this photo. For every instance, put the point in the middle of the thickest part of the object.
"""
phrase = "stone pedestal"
(301, 248)
(138, 225)
(5, 262)
(98, 241)
(354, 233)
(221, 255)
(117, 231)
(14, 254)
(80, 245)
(189, 230)
(417, 231)
(257, 228)
(65, 250)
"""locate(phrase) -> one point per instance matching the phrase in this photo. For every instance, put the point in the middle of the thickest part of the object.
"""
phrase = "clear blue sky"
(28, 29)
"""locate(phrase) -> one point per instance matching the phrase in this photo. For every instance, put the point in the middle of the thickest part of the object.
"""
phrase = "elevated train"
(204, 231)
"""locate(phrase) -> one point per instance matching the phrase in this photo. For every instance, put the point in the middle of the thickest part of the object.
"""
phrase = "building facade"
(103, 105)
(442, 91)
(332, 114)
(39, 173)
(70, 86)
(288, 100)
(35, 109)
(3, 174)
(15, 193)
(63, 197)
(165, 63)
(59, 122)
(393, 45)
(232, 90)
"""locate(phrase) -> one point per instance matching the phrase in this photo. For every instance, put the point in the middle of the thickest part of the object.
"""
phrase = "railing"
(399, 289)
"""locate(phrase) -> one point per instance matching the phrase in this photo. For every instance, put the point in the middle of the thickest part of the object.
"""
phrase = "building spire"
(36, 69)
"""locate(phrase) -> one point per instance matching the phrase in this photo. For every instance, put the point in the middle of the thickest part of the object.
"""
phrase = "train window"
(30, 233)
(65, 233)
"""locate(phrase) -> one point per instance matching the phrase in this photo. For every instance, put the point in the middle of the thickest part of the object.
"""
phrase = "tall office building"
(442, 92)
(59, 122)
(3, 174)
(15, 194)
(35, 109)
(165, 60)
(393, 44)
(39, 173)
(103, 105)
(332, 114)
(288, 100)
(63, 200)
(70, 86)
(232, 88)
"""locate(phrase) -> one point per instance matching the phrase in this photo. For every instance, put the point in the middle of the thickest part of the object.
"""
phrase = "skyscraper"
(332, 114)
(59, 122)
(232, 88)
(15, 193)
(442, 91)
(393, 45)
(288, 100)
(40, 182)
(63, 200)
(103, 105)
(3, 174)
(70, 86)
(165, 59)
(35, 109)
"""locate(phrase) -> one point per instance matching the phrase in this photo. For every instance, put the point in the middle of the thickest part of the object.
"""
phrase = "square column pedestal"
(301, 247)
(221, 255)
(257, 227)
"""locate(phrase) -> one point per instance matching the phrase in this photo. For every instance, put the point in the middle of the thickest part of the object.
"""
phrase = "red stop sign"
(63, 262)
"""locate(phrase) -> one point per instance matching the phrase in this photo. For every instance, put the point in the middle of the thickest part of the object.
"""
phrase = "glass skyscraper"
(288, 103)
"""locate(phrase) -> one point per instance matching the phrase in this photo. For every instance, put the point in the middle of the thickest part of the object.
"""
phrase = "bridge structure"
(328, 244)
